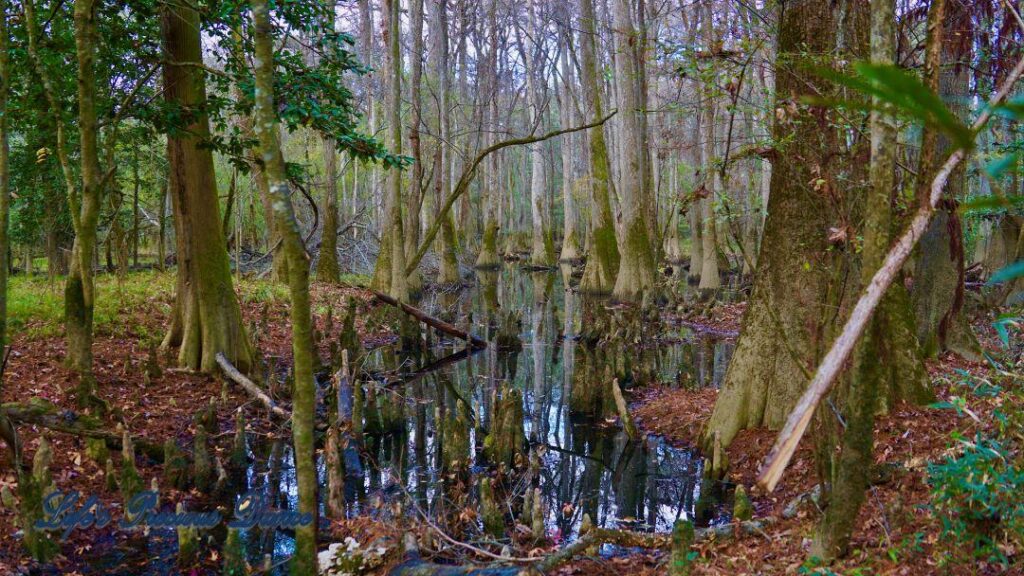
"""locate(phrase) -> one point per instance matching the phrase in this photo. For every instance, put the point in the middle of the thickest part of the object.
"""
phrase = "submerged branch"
(436, 323)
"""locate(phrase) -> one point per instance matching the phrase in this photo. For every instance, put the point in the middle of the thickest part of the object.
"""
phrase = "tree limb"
(470, 172)
(255, 391)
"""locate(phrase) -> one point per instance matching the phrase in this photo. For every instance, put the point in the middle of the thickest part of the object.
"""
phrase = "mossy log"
(38, 412)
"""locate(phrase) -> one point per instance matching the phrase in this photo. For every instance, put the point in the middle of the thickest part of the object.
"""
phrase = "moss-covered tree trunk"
(709, 277)
(783, 329)
(858, 401)
(5, 181)
(636, 266)
(84, 200)
(414, 196)
(389, 275)
(327, 269)
(448, 273)
(570, 251)
(207, 318)
(488, 257)
(798, 297)
(603, 257)
(304, 562)
(542, 249)
(938, 287)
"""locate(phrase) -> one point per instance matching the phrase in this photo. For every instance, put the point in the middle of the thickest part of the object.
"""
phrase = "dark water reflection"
(584, 463)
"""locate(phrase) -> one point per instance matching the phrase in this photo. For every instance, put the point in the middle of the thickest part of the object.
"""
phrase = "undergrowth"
(134, 305)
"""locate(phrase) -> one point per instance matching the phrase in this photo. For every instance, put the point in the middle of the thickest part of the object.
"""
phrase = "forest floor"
(897, 532)
(130, 318)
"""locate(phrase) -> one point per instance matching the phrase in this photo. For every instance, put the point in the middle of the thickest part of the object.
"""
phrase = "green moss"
(742, 508)
(176, 466)
(234, 555)
(682, 538)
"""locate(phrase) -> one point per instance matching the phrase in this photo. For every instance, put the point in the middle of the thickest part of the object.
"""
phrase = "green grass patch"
(124, 306)
(35, 306)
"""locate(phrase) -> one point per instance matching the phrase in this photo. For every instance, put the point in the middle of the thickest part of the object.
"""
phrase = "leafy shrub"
(977, 496)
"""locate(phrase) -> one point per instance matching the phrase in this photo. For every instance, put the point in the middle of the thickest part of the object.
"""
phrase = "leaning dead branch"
(831, 366)
(255, 391)
(429, 320)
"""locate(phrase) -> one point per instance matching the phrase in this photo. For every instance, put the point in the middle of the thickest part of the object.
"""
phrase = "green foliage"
(901, 93)
(977, 497)
(1011, 272)
(35, 306)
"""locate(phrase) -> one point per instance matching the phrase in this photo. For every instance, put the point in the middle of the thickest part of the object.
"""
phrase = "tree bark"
(603, 259)
(636, 266)
(488, 257)
(207, 317)
(709, 277)
(327, 269)
(448, 248)
(791, 309)
(5, 176)
(938, 288)
(414, 197)
(542, 252)
(850, 467)
(304, 562)
(570, 237)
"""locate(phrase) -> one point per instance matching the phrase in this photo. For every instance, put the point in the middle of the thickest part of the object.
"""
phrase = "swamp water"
(559, 351)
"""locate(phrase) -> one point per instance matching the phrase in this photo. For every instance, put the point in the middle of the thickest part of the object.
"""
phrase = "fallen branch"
(46, 416)
(785, 445)
(415, 565)
(438, 324)
(255, 391)
(629, 539)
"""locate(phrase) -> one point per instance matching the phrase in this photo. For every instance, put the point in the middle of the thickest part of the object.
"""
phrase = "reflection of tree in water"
(423, 449)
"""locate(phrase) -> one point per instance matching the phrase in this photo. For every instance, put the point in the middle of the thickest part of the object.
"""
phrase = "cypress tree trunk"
(78, 288)
(784, 327)
(488, 256)
(636, 266)
(938, 289)
(570, 238)
(304, 562)
(448, 247)
(5, 181)
(709, 278)
(542, 251)
(414, 197)
(389, 275)
(603, 259)
(849, 475)
(207, 318)
(327, 269)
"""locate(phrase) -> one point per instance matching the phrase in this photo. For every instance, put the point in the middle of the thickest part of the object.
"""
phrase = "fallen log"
(255, 391)
(436, 323)
(414, 565)
(45, 415)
